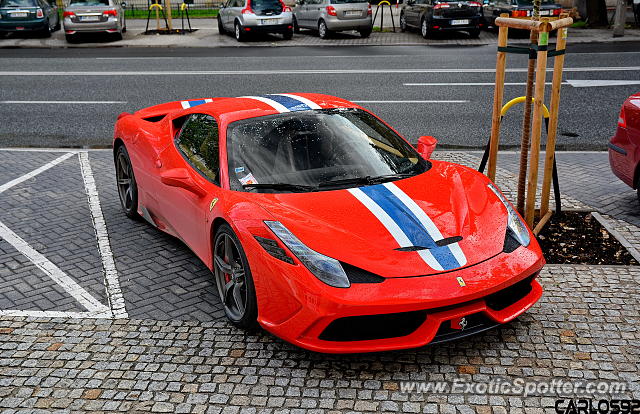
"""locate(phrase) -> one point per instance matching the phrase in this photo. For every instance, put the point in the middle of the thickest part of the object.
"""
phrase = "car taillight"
(39, 13)
(113, 12)
(441, 6)
(331, 11)
(68, 14)
(475, 4)
(247, 10)
(519, 13)
(369, 11)
(556, 12)
(622, 120)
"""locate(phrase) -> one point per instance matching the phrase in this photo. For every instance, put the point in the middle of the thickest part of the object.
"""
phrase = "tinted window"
(18, 3)
(312, 148)
(198, 142)
(266, 5)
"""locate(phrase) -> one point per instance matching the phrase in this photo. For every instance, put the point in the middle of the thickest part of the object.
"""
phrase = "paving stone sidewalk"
(176, 353)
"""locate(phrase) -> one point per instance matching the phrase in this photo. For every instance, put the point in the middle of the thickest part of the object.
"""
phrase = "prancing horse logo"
(463, 323)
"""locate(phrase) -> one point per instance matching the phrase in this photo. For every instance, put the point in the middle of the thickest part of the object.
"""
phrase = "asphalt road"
(44, 93)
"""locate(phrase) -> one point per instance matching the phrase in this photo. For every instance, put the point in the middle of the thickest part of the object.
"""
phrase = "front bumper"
(22, 26)
(335, 24)
(297, 307)
(445, 23)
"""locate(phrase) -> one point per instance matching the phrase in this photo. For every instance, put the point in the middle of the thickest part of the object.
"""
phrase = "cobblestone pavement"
(176, 353)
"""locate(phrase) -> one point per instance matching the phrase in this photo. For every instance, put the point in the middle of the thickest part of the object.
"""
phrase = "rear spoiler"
(157, 112)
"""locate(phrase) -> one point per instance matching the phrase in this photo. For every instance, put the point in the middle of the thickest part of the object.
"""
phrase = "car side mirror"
(123, 4)
(179, 177)
(426, 145)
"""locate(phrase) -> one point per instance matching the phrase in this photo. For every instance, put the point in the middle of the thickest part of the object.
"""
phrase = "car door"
(315, 10)
(225, 13)
(411, 12)
(191, 181)
(299, 12)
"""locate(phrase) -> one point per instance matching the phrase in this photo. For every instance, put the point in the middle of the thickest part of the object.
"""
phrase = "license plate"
(352, 13)
(19, 14)
(545, 12)
(457, 22)
(90, 18)
(269, 21)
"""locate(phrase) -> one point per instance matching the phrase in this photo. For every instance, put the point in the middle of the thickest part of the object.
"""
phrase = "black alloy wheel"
(233, 279)
(126, 181)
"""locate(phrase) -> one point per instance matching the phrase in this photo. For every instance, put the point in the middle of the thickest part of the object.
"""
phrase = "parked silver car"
(327, 16)
(86, 16)
(246, 17)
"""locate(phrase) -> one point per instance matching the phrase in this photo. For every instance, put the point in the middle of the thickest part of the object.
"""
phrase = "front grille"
(508, 296)
(370, 327)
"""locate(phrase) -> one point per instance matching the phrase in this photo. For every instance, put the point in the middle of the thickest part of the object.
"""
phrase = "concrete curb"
(623, 241)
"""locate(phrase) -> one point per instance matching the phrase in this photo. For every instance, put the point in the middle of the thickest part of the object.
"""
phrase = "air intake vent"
(357, 275)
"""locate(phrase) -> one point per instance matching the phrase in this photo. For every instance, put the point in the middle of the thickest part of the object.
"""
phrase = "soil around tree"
(576, 237)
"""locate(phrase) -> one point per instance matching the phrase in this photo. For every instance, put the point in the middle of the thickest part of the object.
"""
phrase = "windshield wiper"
(367, 179)
(281, 186)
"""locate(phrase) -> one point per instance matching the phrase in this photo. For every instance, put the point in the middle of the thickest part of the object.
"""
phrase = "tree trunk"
(597, 13)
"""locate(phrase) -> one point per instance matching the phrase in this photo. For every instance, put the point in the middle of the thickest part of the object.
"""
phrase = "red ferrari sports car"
(624, 147)
(323, 225)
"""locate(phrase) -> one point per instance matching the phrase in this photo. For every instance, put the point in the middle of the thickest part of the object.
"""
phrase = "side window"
(198, 143)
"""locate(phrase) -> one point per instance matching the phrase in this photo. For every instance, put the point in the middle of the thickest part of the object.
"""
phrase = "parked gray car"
(328, 16)
(245, 17)
(94, 16)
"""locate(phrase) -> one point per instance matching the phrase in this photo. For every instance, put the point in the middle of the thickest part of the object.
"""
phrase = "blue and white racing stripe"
(195, 102)
(409, 224)
(285, 102)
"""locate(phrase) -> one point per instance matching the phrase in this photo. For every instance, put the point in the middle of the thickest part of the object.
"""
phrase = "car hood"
(366, 226)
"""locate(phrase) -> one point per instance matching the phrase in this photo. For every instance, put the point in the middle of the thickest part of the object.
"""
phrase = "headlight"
(325, 268)
(515, 225)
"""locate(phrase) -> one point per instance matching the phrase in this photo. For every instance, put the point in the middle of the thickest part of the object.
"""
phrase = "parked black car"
(433, 16)
(519, 9)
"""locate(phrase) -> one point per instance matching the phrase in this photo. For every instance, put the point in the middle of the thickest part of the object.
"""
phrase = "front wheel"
(296, 28)
(424, 28)
(403, 22)
(126, 181)
(323, 32)
(364, 33)
(233, 279)
(221, 30)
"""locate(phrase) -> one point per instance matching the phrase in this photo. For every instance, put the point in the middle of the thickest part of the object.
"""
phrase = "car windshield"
(17, 3)
(317, 150)
(90, 2)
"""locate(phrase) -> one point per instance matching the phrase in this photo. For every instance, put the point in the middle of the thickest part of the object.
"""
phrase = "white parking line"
(51, 270)
(387, 71)
(6, 186)
(54, 314)
(469, 83)
(112, 284)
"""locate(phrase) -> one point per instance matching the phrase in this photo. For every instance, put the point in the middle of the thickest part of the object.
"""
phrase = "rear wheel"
(220, 26)
(403, 22)
(364, 33)
(117, 36)
(239, 34)
(474, 33)
(424, 28)
(233, 279)
(288, 35)
(46, 32)
(126, 182)
(70, 38)
(323, 32)
(57, 26)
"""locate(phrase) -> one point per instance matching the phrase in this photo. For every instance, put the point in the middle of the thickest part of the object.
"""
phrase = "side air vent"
(156, 118)
(271, 246)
